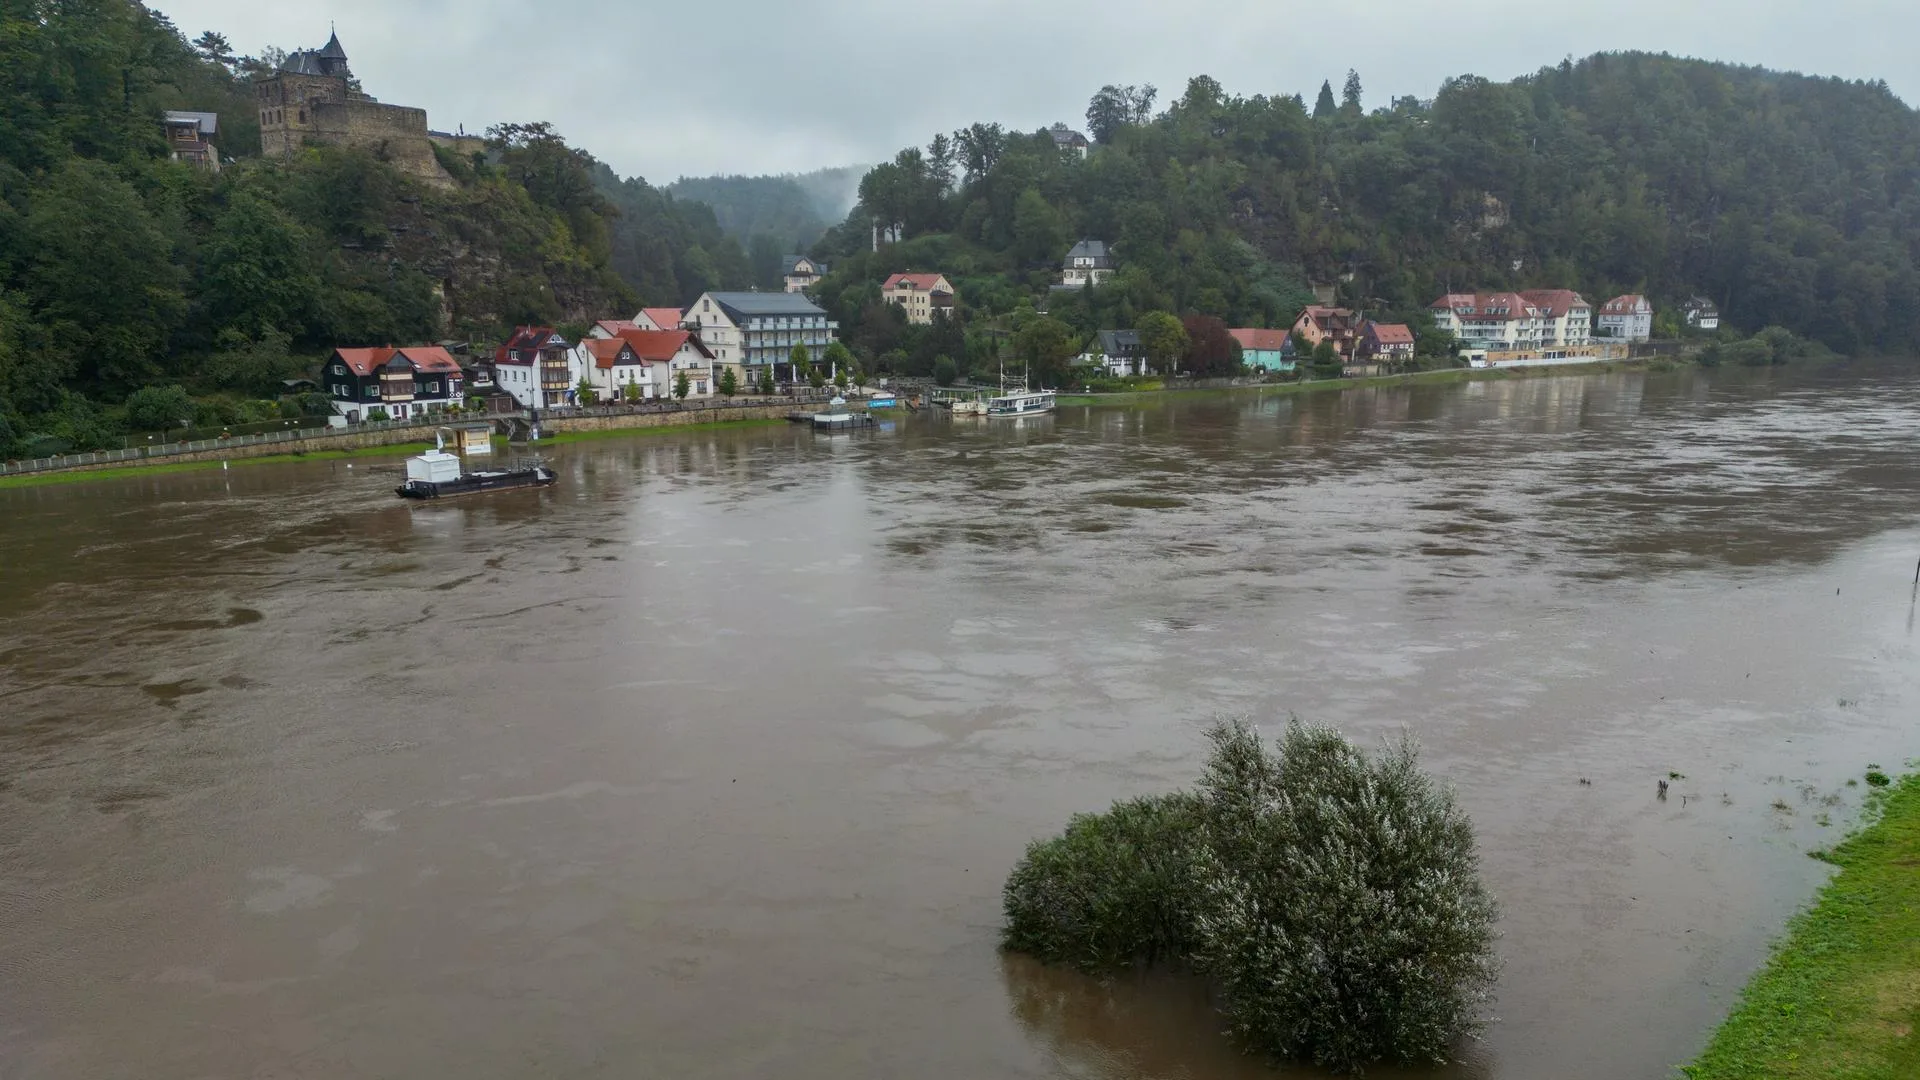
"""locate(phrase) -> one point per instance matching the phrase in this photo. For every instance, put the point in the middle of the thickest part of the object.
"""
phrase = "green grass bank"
(1840, 997)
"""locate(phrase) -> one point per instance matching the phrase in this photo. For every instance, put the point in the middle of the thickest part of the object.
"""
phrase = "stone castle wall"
(301, 110)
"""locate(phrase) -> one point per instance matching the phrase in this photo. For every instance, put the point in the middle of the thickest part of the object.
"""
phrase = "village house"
(1496, 322)
(1384, 343)
(605, 329)
(190, 138)
(1566, 317)
(757, 332)
(1626, 318)
(659, 318)
(1265, 350)
(803, 273)
(1069, 141)
(538, 367)
(390, 383)
(919, 295)
(650, 361)
(1321, 323)
(1117, 353)
(1702, 314)
(1090, 262)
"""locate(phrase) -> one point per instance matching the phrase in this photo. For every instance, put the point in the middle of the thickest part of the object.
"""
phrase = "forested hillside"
(120, 268)
(773, 216)
(1786, 199)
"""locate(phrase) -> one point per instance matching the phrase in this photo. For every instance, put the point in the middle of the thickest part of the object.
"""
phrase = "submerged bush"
(1333, 899)
(1115, 889)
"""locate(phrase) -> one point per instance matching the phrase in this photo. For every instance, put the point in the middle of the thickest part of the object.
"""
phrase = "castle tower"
(313, 99)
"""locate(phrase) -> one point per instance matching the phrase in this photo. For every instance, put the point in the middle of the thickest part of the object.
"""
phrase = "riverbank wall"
(373, 436)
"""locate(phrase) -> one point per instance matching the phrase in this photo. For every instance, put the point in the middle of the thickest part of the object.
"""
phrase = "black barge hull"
(539, 476)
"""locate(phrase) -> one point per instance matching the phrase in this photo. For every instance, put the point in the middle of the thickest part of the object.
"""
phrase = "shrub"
(1876, 778)
(156, 408)
(1111, 891)
(1333, 899)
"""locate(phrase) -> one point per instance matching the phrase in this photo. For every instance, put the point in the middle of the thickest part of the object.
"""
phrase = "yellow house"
(920, 294)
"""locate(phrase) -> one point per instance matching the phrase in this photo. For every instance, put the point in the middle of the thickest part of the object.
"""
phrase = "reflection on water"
(710, 760)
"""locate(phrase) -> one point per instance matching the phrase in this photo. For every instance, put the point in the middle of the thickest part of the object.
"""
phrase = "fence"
(425, 424)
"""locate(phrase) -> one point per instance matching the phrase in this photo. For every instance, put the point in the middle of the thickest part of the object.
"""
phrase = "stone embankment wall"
(334, 439)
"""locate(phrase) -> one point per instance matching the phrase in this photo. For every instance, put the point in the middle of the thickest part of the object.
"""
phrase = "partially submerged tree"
(1333, 899)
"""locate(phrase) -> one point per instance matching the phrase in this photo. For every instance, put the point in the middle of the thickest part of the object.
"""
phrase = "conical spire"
(332, 49)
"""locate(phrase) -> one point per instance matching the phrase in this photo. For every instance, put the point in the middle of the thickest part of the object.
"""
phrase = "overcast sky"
(663, 89)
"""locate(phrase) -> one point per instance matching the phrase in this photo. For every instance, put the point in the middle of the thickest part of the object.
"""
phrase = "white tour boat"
(1022, 403)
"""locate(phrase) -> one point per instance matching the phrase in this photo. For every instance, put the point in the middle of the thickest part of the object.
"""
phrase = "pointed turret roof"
(332, 50)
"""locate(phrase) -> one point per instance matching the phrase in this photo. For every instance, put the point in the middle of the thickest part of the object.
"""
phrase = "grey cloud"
(748, 86)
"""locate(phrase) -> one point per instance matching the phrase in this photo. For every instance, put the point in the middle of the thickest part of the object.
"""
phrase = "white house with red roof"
(1384, 343)
(405, 382)
(538, 367)
(1495, 322)
(1626, 318)
(651, 361)
(920, 295)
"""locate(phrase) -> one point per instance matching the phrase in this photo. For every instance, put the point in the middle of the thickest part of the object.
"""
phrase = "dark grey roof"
(1088, 249)
(207, 122)
(1120, 342)
(332, 50)
(304, 62)
(794, 260)
(740, 304)
(1064, 135)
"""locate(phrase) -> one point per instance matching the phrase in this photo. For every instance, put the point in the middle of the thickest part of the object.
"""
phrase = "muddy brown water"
(710, 761)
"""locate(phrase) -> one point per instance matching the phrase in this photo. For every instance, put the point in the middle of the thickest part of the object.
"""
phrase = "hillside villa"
(919, 295)
(1321, 323)
(1089, 262)
(802, 273)
(1116, 353)
(1702, 314)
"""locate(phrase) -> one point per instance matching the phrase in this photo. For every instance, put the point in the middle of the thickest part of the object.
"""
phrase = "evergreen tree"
(1350, 95)
(1323, 106)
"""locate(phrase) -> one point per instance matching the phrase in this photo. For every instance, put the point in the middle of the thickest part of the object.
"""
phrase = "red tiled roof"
(1516, 306)
(612, 327)
(1555, 302)
(1321, 315)
(1623, 305)
(524, 339)
(425, 358)
(666, 318)
(922, 282)
(606, 351)
(1391, 333)
(1258, 340)
(661, 344)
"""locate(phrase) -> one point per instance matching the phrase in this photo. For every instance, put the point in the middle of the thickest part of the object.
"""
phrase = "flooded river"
(710, 761)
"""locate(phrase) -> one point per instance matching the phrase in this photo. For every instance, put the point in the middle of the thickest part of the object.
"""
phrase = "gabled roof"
(1119, 342)
(1088, 249)
(794, 261)
(612, 327)
(663, 318)
(740, 305)
(607, 352)
(423, 358)
(1390, 333)
(1498, 305)
(921, 282)
(207, 123)
(529, 339)
(1555, 302)
(1701, 303)
(1254, 339)
(1321, 315)
(1065, 136)
(1630, 304)
(657, 345)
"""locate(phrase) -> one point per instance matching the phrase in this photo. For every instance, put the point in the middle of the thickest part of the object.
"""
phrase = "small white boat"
(1022, 403)
(837, 416)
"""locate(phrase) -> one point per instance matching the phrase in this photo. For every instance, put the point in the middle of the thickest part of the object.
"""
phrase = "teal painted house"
(1265, 350)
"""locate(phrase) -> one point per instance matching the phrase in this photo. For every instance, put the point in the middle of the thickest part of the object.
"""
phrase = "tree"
(257, 271)
(944, 370)
(630, 392)
(839, 359)
(584, 394)
(214, 48)
(1163, 339)
(766, 381)
(1211, 351)
(799, 364)
(1111, 109)
(1039, 236)
(728, 384)
(157, 408)
(1350, 96)
(1326, 360)
(1323, 106)
(682, 386)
